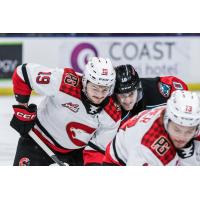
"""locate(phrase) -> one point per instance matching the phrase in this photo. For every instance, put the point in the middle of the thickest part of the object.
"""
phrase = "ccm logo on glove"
(22, 115)
(24, 118)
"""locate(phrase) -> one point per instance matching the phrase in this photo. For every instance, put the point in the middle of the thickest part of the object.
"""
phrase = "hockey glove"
(23, 119)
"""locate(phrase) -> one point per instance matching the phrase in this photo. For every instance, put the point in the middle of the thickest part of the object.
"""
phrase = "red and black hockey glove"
(24, 118)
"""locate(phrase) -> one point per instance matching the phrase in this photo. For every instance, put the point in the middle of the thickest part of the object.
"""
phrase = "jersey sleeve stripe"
(25, 75)
(95, 147)
(58, 146)
(115, 152)
(20, 88)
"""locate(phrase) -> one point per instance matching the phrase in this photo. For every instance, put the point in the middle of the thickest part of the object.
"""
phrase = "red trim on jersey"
(108, 158)
(131, 121)
(174, 82)
(113, 110)
(197, 138)
(91, 156)
(71, 83)
(19, 85)
(50, 145)
(158, 141)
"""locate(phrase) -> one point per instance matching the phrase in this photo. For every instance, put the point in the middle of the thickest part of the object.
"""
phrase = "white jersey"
(142, 140)
(63, 122)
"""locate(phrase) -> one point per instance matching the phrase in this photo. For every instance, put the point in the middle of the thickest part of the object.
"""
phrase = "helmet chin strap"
(140, 92)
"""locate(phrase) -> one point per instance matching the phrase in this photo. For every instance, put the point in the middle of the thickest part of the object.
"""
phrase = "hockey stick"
(46, 149)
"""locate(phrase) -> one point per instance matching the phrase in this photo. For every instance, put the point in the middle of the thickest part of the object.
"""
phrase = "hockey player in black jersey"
(136, 94)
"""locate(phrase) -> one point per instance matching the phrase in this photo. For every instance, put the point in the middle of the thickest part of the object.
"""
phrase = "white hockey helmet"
(99, 71)
(183, 108)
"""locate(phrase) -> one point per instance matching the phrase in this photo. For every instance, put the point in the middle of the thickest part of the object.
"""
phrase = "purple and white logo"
(80, 55)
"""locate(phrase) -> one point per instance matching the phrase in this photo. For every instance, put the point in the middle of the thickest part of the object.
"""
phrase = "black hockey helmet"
(127, 79)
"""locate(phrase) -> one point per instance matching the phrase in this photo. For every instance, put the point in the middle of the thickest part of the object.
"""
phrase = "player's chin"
(97, 100)
(179, 145)
(128, 107)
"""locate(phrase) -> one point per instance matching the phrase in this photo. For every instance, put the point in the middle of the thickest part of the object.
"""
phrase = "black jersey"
(155, 92)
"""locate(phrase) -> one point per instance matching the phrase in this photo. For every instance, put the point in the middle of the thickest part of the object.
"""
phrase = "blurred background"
(152, 54)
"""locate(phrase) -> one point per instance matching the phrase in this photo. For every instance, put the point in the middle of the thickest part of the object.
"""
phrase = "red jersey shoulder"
(143, 117)
(113, 110)
(157, 140)
(168, 84)
(71, 83)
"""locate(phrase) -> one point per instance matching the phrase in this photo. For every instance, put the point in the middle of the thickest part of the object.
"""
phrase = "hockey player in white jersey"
(75, 109)
(166, 135)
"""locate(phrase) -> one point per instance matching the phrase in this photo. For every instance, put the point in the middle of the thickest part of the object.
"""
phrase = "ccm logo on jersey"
(71, 106)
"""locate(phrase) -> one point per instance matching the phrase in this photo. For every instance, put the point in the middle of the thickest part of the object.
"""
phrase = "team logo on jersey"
(71, 106)
(24, 161)
(161, 145)
(164, 89)
(177, 85)
(71, 79)
(79, 133)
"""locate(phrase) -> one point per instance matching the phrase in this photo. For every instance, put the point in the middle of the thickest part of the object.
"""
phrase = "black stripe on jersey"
(95, 147)
(47, 134)
(116, 155)
(25, 75)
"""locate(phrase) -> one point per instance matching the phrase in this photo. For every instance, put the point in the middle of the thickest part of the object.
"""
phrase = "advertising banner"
(10, 57)
(151, 56)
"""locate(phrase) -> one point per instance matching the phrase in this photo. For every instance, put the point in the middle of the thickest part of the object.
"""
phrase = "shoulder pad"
(157, 140)
(71, 83)
(168, 84)
(113, 110)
